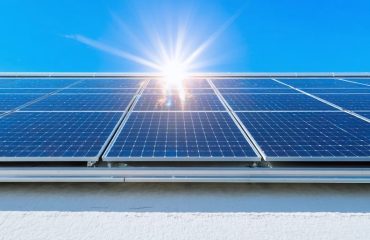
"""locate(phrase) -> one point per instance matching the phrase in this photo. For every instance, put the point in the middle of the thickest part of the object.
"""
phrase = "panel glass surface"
(247, 83)
(26, 90)
(169, 135)
(82, 102)
(274, 102)
(337, 90)
(308, 135)
(348, 101)
(109, 83)
(360, 80)
(188, 83)
(319, 83)
(53, 135)
(256, 90)
(100, 90)
(365, 114)
(176, 91)
(11, 101)
(36, 83)
(199, 102)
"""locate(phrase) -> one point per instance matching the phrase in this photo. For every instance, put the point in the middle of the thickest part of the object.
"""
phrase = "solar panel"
(36, 83)
(247, 83)
(309, 136)
(256, 90)
(55, 136)
(11, 101)
(187, 136)
(348, 101)
(82, 102)
(274, 102)
(199, 102)
(188, 83)
(319, 83)
(100, 90)
(109, 83)
(176, 91)
(26, 90)
(337, 90)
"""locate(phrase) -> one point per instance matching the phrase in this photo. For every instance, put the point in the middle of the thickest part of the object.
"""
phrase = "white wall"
(184, 211)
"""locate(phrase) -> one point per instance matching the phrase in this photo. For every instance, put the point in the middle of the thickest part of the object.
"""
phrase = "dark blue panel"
(169, 135)
(348, 101)
(176, 91)
(52, 134)
(247, 83)
(188, 83)
(337, 90)
(83, 102)
(256, 90)
(319, 83)
(109, 83)
(27, 90)
(204, 102)
(11, 101)
(100, 90)
(274, 102)
(36, 83)
(309, 135)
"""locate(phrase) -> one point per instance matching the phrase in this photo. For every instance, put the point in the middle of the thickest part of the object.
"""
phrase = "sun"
(174, 75)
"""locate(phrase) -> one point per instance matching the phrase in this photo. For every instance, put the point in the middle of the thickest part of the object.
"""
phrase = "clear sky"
(248, 36)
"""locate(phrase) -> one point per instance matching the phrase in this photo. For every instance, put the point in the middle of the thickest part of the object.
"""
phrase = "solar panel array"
(285, 119)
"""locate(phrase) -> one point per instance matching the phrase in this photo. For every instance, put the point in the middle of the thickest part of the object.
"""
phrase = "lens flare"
(174, 76)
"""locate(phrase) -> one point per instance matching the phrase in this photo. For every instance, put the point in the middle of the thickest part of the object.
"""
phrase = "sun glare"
(174, 77)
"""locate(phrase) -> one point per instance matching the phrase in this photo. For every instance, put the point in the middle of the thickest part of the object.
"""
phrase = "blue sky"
(267, 36)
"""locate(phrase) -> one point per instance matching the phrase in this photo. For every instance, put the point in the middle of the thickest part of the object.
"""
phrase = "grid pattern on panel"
(256, 90)
(100, 90)
(309, 134)
(247, 83)
(274, 102)
(36, 83)
(188, 83)
(82, 102)
(319, 83)
(51, 134)
(180, 135)
(199, 102)
(348, 101)
(109, 83)
(337, 90)
(10, 101)
(176, 91)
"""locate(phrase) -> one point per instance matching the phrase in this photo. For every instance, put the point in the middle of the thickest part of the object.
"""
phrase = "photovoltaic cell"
(192, 136)
(100, 90)
(348, 101)
(188, 83)
(82, 102)
(247, 83)
(11, 101)
(256, 90)
(319, 83)
(274, 102)
(36, 83)
(199, 102)
(309, 136)
(109, 83)
(55, 136)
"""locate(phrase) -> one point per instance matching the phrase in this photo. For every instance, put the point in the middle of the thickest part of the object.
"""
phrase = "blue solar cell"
(100, 90)
(309, 136)
(82, 102)
(348, 101)
(319, 83)
(176, 91)
(192, 136)
(109, 83)
(274, 102)
(55, 136)
(188, 83)
(26, 90)
(199, 102)
(337, 90)
(11, 101)
(247, 83)
(36, 83)
(256, 90)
